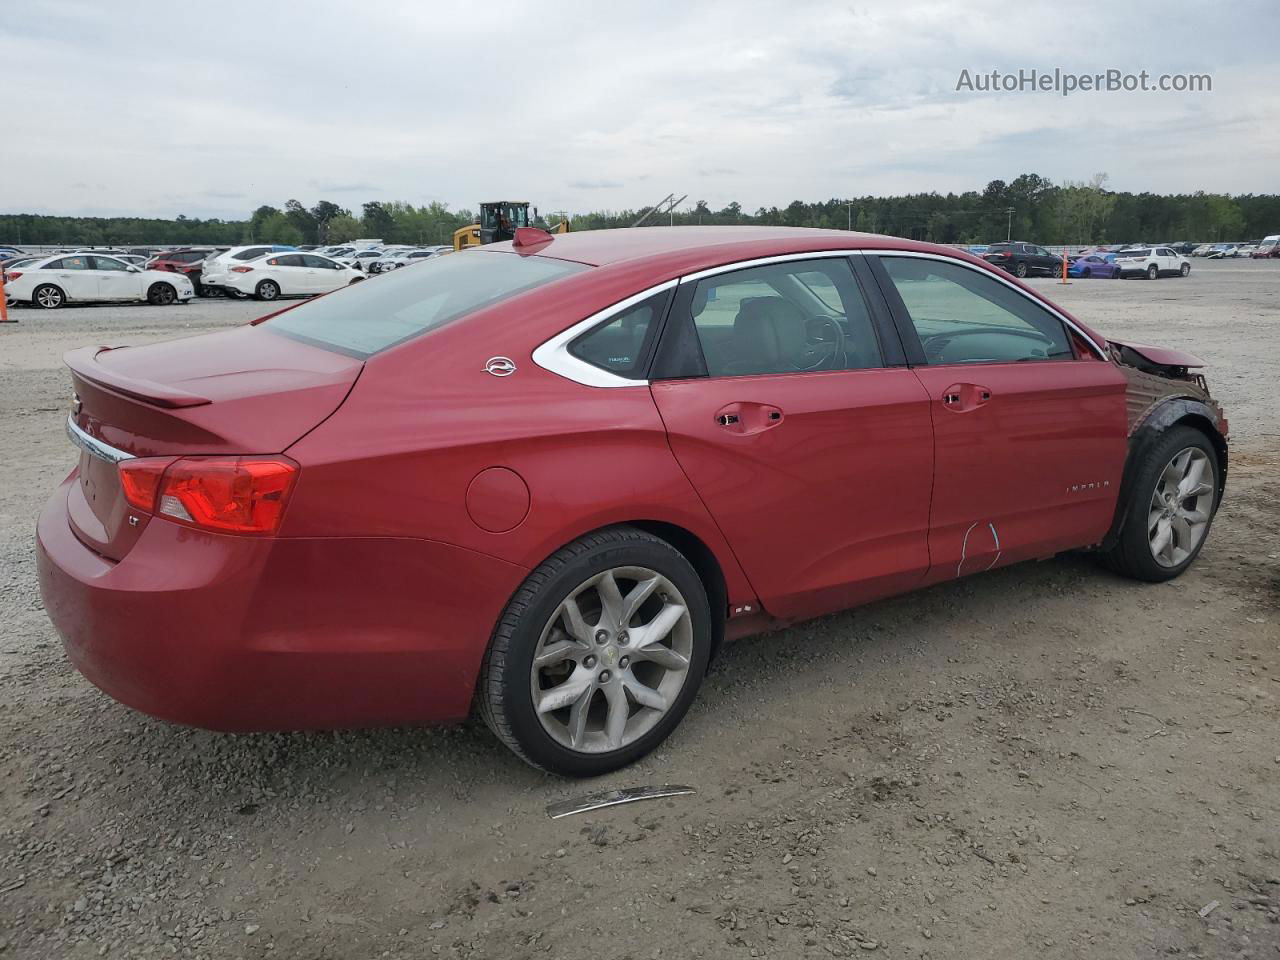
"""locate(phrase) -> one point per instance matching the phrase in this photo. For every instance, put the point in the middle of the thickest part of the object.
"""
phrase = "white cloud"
(583, 105)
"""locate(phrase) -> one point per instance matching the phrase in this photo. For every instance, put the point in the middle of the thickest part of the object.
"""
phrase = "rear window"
(998, 247)
(363, 319)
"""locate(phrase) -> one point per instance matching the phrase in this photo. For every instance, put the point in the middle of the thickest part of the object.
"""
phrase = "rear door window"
(798, 317)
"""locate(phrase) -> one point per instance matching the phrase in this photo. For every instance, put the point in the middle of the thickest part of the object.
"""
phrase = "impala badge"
(500, 366)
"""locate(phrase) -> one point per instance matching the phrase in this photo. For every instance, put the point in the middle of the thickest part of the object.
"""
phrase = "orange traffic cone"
(4, 307)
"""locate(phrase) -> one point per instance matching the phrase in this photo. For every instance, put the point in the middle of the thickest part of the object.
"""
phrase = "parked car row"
(1149, 260)
(1266, 248)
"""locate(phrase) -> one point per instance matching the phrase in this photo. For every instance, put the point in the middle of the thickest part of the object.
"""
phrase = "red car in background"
(188, 262)
(549, 477)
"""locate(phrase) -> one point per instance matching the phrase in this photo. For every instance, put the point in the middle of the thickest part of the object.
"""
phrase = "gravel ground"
(1043, 760)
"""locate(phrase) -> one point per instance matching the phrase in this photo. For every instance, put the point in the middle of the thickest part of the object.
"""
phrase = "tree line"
(1030, 207)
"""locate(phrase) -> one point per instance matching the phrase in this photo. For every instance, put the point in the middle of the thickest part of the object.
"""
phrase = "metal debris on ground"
(612, 798)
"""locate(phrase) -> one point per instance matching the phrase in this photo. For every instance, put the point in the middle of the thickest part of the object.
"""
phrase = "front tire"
(48, 297)
(598, 655)
(267, 290)
(1172, 501)
(161, 294)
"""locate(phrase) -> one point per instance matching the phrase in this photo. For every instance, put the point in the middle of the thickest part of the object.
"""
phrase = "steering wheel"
(935, 345)
(824, 343)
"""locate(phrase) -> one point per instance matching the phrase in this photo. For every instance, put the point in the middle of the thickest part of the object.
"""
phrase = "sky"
(212, 109)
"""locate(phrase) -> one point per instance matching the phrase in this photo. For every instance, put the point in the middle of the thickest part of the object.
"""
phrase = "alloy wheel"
(1181, 507)
(612, 660)
(49, 297)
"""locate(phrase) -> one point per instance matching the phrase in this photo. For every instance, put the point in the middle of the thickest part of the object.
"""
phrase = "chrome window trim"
(94, 447)
(766, 261)
(1008, 283)
(554, 354)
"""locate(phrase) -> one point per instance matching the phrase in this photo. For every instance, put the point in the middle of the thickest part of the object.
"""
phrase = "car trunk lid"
(243, 392)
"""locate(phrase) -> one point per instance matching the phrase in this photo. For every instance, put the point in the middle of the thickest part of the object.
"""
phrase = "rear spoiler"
(1160, 356)
(84, 364)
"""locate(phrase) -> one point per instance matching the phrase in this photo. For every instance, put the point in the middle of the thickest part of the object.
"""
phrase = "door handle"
(963, 397)
(748, 418)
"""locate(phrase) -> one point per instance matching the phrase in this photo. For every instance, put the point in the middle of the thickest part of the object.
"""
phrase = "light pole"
(849, 209)
(1008, 233)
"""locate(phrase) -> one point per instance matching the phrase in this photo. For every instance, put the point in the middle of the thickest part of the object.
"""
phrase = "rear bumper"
(239, 634)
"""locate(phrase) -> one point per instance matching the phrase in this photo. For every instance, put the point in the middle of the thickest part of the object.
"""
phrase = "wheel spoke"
(1162, 538)
(578, 714)
(660, 626)
(558, 652)
(1182, 532)
(1191, 479)
(557, 698)
(663, 657)
(574, 624)
(611, 603)
(645, 696)
(641, 592)
(1199, 490)
(615, 723)
(1194, 517)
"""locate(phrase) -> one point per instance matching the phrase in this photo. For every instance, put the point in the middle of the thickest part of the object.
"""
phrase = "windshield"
(368, 317)
(515, 215)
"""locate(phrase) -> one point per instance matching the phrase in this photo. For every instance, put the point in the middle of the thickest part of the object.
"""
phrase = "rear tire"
(584, 654)
(267, 290)
(1153, 272)
(47, 296)
(1086, 272)
(1020, 271)
(161, 294)
(1185, 270)
(1154, 520)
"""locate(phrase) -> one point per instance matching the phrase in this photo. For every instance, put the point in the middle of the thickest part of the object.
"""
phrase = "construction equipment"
(667, 205)
(499, 220)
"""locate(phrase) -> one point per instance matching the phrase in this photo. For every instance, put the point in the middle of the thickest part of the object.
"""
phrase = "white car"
(361, 259)
(1245, 250)
(1152, 262)
(289, 275)
(86, 278)
(214, 269)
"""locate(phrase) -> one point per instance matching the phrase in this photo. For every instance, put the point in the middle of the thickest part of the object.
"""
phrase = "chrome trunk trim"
(94, 447)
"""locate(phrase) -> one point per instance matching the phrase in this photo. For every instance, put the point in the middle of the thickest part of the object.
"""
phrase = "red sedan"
(548, 478)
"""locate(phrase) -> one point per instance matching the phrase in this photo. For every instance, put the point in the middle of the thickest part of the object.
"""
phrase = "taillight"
(140, 479)
(12, 276)
(242, 269)
(228, 494)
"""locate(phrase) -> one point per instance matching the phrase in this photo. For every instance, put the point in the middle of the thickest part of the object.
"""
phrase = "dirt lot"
(1040, 761)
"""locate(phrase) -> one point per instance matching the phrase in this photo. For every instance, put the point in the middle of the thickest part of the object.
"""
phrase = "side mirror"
(133, 269)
